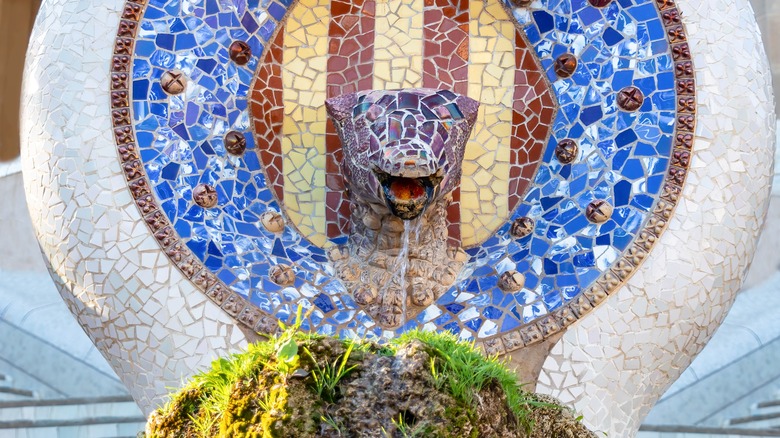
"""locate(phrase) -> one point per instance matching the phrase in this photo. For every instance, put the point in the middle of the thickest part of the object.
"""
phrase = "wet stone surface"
(397, 268)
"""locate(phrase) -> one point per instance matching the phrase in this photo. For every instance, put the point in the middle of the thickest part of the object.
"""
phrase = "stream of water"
(400, 266)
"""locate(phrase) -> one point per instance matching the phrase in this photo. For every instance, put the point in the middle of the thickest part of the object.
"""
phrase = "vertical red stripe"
(350, 69)
(532, 119)
(267, 110)
(445, 67)
(446, 45)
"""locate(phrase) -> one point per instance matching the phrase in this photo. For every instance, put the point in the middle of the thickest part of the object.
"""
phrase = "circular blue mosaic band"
(625, 158)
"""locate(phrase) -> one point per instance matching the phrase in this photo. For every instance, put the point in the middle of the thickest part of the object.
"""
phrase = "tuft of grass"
(204, 424)
(269, 402)
(405, 429)
(327, 419)
(438, 378)
(466, 371)
(216, 385)
(327, 377)
(409, 430)
(286, 346)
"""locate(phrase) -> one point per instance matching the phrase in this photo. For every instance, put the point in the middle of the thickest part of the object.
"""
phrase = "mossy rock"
(421, 385)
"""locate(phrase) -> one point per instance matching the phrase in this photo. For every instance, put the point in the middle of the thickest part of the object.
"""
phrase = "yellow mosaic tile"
(398, 44)
(303, 143)
(484, 185)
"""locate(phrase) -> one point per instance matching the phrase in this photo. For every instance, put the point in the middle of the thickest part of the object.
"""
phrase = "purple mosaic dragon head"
(402, 148)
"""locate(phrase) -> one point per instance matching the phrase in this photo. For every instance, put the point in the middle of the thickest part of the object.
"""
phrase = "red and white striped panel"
(328, 48)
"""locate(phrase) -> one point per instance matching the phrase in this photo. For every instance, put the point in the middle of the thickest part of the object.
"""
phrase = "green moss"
(180, 411)
(458, 417)
(303, 385)
(466, 371)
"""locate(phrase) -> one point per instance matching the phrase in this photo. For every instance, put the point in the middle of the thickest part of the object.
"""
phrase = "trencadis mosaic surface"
(627, 103)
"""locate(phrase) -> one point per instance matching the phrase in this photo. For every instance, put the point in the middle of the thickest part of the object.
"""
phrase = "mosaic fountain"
(577, 184)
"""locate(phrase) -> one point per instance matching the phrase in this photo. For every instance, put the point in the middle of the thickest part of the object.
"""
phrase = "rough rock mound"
(423, 385)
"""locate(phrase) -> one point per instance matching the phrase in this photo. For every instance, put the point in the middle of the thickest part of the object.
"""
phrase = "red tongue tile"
(405, 189)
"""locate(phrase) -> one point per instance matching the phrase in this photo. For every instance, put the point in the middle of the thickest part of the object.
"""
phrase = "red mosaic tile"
(445, 66)
(350, 69)
(267, 110)
(534, 112)
(446, 47)
(453, 219)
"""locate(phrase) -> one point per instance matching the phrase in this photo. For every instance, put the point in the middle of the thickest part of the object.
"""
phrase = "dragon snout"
(403, 147)
(409, 175)
(408, 197)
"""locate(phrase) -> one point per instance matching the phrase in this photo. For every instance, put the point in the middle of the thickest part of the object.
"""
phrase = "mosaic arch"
(575, 166)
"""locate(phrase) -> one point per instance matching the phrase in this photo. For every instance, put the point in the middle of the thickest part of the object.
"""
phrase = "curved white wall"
(152, 325)
(614, 365)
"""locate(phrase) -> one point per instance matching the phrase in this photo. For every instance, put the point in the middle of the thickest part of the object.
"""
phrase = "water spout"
(396, 262)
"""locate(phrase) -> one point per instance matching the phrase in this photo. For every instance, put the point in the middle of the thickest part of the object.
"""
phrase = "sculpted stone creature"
(403, 153)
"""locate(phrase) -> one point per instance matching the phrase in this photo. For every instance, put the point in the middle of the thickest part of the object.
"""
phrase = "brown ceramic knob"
(566, 151)
(173, 82)
(630, 98)
(240, 52)
(599, 211)
(272, 221)
(235, 143)
(600, 3)
(282, 275)
(522, 227)
(565, 65)
(205, 195)
(511, 281)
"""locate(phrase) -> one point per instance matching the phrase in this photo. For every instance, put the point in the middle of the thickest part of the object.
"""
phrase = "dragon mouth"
(407, 198)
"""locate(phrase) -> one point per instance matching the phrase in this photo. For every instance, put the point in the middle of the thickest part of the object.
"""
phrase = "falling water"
(400, 266)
